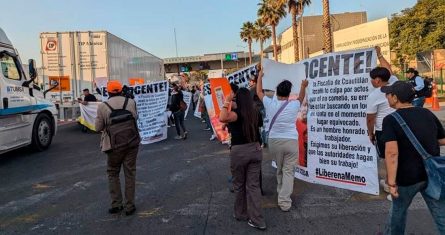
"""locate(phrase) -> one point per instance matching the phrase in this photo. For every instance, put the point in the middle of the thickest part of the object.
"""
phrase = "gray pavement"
(182, 188)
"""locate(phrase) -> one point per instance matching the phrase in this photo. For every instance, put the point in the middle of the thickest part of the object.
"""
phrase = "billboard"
(367, 35)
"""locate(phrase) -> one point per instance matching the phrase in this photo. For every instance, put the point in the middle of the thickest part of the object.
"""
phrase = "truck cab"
(26, 117)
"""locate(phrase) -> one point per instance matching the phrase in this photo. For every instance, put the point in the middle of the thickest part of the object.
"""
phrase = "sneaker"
(384, 186)
(207, 129)
(130, 212)
(253, 225)
(389, 197)
(203, 121)
(115, 210)
(284, 210)
(178, 137)
(185, 135)
(213, 137)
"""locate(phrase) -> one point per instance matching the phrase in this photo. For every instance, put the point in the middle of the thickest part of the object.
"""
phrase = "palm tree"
(262, 33)
(327, 36)
(247, 34)
(271, 14)
(295, 8)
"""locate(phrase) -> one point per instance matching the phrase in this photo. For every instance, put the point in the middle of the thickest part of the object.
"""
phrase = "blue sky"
(202, 26)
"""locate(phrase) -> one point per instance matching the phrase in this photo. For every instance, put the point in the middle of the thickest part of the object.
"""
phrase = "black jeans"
(179, 122)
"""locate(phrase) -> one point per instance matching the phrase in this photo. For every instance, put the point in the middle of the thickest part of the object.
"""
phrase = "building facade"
(310, 27)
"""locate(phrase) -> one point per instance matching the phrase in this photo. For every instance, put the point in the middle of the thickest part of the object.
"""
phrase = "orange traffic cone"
(436, 106)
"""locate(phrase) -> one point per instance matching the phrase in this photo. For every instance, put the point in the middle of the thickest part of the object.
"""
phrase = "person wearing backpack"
(406, 167)
(419, 85)
(116, 118)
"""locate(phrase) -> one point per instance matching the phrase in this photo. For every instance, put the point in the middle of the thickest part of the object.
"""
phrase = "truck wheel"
(42, 133)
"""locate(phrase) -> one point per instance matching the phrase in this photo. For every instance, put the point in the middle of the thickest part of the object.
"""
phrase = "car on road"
(26, 117)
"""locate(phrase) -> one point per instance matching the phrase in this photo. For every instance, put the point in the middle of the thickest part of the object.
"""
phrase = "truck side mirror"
(32, 69)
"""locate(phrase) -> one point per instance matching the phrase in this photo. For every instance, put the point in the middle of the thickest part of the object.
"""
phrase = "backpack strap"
(412, 138)
(125, 103)
(277, 113)
(109, 106)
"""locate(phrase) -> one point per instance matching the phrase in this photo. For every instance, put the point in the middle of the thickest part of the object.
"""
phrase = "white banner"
(88, 114)
(101, 84)
(151, 100)
(276, 72)
(242, 77)
(188, 100)
(197, 112)
(339, 151)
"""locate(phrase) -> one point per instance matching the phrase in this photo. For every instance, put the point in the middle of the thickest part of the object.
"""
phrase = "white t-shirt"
(285, 123)
(378, 104)
(392, 80)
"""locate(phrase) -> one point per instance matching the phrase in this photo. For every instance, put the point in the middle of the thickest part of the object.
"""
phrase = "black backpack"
(122, 129)
(427, 90)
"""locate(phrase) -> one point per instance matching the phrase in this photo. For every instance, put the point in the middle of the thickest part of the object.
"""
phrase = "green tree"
(271, 14)
(262, 33)
(418, 29)
(247, 34)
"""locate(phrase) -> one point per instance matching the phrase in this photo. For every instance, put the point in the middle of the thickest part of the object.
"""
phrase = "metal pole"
(176, 43)
(245, 60)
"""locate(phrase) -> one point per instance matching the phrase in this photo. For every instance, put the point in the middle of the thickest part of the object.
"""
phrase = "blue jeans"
(419, 102)
(397, 215)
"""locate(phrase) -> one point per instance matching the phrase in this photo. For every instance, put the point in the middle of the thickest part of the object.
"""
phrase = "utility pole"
(176, 45)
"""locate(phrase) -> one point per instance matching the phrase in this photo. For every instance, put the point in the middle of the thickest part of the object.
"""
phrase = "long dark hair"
(249, 114)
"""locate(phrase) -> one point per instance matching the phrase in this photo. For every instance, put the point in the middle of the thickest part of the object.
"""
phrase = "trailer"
(73, 60)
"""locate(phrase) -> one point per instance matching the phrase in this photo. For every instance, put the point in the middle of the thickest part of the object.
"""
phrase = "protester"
(405, 167)
(283, 136)
(175, 107)
(116, 118)
(378, 108)
(418, 83)
(195, 97)
(245, 157)
(88, 97)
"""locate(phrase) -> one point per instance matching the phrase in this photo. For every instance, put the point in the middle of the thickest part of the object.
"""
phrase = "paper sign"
(275, 73)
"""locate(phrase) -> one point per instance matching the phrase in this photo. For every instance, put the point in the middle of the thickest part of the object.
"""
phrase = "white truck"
(76, 59)
(26, 118)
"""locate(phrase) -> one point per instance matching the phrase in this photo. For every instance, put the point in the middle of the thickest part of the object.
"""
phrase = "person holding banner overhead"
(282, 134)
(245, 156)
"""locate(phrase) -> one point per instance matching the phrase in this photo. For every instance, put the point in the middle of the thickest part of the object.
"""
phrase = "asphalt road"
(182, 188)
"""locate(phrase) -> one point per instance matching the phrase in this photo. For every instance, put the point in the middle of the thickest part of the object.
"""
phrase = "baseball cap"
(411, 70)
(114, 86)
(403, 90)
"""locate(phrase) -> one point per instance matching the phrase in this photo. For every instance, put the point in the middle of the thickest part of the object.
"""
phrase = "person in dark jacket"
(175, 107)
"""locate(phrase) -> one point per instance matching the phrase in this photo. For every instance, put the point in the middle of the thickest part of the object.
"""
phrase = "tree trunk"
(261, 48)
(250, 52)
(274, 38)
(295, 33)
(327, 36)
